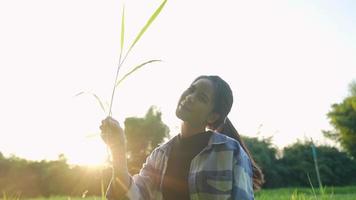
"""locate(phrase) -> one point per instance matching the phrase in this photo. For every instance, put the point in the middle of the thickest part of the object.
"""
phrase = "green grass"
(66, 198)
(331, 193)
(334, 193)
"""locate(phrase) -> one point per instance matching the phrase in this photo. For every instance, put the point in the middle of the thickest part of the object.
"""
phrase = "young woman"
(206, 160)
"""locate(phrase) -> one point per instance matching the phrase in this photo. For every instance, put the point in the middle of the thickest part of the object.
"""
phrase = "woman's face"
(196, 104)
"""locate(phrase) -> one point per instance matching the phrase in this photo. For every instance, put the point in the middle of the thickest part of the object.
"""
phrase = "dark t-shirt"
(175, 182)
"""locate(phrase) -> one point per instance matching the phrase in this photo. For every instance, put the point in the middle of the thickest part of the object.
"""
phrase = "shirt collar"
(217, 138)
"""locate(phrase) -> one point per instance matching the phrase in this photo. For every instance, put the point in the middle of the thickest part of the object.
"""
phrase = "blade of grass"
(102, 188)
(79, 93)
(311, 184)
(101, 103)
(121, 50)
(84, 194)
(143, 30)
(95, 96)
(91, 135)
(122, 30)
(135, 69)
(148, 23)
(315, 158)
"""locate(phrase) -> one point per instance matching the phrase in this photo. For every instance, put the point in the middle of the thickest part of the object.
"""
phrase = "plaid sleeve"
(142, 186)
(242, 172)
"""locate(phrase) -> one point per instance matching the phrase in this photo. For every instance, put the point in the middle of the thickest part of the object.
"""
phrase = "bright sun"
(89, 153)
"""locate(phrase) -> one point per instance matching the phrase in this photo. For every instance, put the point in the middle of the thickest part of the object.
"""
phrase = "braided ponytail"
(229, 130)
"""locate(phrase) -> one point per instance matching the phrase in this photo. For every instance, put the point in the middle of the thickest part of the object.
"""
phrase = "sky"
(287, 62)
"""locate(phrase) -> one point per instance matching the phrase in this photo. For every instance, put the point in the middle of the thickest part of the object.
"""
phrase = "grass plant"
(122, 57)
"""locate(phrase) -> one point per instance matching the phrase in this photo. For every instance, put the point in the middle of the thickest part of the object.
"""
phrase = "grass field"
(331, 193)
(334, 193)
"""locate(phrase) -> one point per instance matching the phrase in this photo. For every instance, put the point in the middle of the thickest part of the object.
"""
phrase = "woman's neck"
(188, 130)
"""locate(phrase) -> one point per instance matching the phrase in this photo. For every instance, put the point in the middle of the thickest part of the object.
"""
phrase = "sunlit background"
(286, 61)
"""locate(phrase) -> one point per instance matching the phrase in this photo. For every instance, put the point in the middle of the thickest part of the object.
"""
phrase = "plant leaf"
(79, 93)
(102, 188)
(148, 23)
(95, 96)
(134, 69)
(122, 29)
(100, 102)
(92, 135)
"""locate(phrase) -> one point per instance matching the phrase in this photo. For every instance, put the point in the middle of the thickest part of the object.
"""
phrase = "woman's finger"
(101, 127)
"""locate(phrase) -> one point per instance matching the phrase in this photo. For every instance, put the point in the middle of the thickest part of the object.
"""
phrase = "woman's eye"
(202, 99)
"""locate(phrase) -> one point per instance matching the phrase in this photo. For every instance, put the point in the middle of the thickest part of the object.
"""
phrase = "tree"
(264, 155)
(336, 168)
(143, 135)
(352, 88)
(343, 118)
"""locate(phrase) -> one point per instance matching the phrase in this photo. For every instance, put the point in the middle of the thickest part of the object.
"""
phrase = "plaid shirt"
(222, 170)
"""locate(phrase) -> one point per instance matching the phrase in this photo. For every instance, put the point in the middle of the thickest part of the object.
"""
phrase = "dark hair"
(223, 100)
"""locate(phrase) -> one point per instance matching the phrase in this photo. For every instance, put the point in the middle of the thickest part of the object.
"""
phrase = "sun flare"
(91, 153)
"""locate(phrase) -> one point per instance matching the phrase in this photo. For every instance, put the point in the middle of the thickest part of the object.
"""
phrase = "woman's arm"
(142, 186)
(121, 180)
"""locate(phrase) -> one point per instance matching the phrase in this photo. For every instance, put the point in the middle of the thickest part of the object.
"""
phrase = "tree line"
(294, 168)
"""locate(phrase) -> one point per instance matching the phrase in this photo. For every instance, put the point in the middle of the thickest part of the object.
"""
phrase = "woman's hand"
(112, 134)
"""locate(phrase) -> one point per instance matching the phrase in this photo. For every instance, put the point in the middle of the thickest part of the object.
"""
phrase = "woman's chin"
(180, 114)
